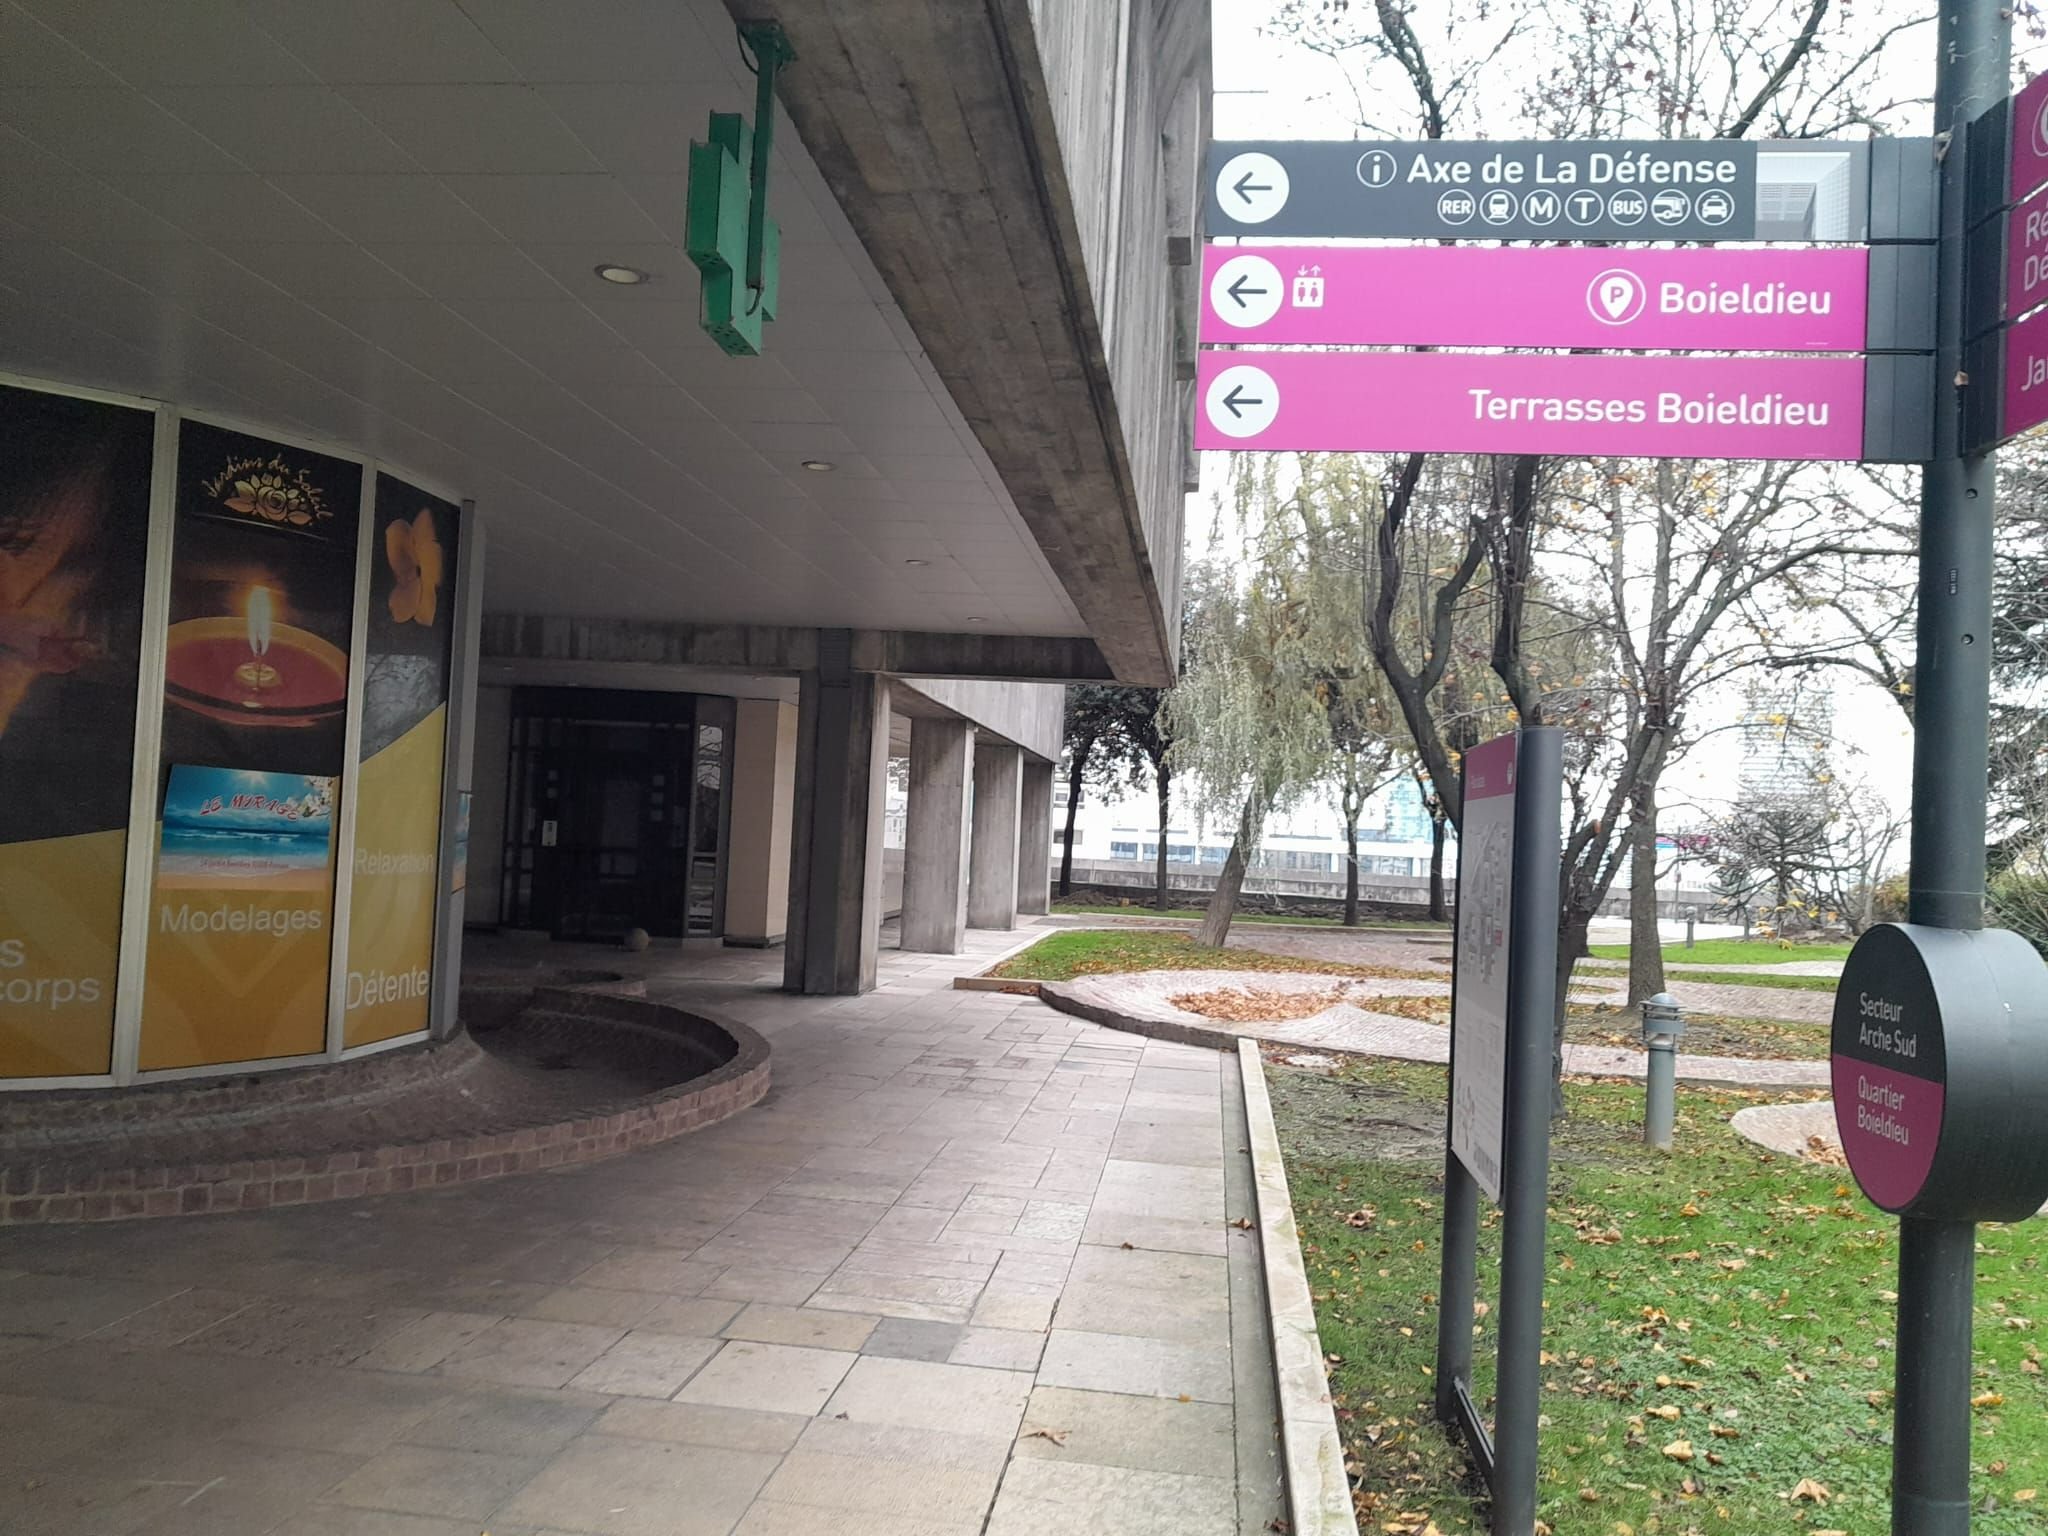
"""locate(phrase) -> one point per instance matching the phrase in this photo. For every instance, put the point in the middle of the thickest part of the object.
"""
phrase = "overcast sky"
(1269, 87)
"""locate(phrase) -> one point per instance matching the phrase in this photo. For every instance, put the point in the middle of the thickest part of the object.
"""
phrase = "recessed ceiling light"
(977, 620)
(917, 562)
(626, 277)
(819, 466)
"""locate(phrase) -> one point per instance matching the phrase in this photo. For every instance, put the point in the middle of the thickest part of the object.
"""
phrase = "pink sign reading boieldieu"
(1578, 405)
(1809, 300)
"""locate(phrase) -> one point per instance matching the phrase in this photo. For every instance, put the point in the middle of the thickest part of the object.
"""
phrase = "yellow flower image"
(414, 554)
(272, 498)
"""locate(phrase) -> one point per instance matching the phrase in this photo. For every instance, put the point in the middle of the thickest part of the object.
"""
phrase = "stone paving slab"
(840, 1310)
(1142, 1001)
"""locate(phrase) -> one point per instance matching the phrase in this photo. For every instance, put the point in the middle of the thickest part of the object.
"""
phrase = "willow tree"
(1251, 733)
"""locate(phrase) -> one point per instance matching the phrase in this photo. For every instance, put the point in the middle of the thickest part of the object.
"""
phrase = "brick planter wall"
(737, 1077)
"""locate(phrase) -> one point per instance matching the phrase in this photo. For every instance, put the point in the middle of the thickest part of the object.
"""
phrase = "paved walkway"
(1147, 996)
(970, 1268)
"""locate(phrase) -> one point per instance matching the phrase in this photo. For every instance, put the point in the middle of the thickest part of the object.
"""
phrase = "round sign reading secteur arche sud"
(1940, 1069)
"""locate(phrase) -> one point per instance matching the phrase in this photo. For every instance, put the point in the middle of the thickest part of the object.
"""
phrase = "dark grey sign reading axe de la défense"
(1688, 189)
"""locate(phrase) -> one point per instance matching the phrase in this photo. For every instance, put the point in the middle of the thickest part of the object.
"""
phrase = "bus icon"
(1627, 206)
(1670, 207)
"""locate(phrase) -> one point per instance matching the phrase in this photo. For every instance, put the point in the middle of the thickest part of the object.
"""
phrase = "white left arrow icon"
(1251, 187)
(1242, 401)
(1246, 291)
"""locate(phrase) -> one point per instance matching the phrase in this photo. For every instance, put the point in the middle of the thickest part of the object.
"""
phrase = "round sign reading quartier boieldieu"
(1940, 1069)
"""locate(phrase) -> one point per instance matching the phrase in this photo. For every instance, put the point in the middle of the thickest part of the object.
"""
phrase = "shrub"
(2018, 899)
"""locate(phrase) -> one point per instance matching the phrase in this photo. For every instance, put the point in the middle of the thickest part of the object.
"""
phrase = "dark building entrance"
(617, 813)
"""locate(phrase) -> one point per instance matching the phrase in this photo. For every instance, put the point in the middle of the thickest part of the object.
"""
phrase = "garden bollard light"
(1663, 1023)
(1692, 916)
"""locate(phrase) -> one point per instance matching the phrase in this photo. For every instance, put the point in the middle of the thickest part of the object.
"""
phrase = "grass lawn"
(1195, 914)
(1063, 956)
(1742, 979)
(1706, 1034)
(1733, 952)
(1718, 1337)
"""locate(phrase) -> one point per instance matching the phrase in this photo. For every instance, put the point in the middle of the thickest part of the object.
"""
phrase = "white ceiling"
(374, 222)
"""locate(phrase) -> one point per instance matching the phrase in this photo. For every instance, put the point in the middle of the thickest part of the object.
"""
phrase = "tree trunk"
(1074, 774)
(1351, 871)
(1165, 783)
(1571, 948)
(1645, 941)
(1439, 909)
(1223, 900)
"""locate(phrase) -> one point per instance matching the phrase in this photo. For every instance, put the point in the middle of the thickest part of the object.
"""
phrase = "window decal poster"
(262, 602)
(256, 671)
(394, 895)
(74, 533)
(241, 918)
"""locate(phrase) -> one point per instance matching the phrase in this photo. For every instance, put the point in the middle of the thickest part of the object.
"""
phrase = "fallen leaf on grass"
(1056, 1436)
(2024, 1496)
(1988, 1400)
(1679, 1450)
(1810, 1492)
(1663, 1411)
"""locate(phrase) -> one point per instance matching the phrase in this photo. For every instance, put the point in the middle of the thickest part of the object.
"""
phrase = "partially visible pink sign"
(1810, 300)
(2030, 138)
(1489, 769)
(1616, 404)
(2026, 374)
(2026, 257)
(1890, 1124)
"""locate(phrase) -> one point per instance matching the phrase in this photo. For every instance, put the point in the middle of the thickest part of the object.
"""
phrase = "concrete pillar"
(835, 864)
(1034, 839)
(935, 836)
(763, 796)
(992, 863)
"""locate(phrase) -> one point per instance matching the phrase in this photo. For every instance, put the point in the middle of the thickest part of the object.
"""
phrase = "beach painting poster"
(240, 918)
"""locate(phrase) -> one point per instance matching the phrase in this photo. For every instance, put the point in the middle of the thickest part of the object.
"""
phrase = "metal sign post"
(1507, 918)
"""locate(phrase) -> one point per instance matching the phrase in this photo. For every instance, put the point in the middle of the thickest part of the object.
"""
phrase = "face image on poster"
(262, 602)
(74, 532)
(394, 890)
(240, 918)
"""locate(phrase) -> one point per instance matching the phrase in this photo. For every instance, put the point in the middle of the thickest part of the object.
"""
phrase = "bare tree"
(1721, 68)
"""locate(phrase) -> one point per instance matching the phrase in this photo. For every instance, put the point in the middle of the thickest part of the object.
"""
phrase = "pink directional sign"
(2026, 257)
(1448, 402)
(2026, 374)
(2030, 138)
(1810, 300)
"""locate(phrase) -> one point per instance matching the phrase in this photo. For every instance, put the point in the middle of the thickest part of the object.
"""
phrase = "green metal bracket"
(727, 232)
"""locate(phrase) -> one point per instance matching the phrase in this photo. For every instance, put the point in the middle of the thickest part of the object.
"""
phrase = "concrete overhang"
(753, 649)
(939, 130)
(383, 236)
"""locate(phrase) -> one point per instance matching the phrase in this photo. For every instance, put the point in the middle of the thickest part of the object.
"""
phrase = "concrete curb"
(1581, 1061)
(983, 981)
(1060, 995)
(1318, 1488)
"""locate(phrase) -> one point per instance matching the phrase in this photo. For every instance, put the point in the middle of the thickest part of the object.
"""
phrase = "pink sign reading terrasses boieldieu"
(1581, 405)
(1806, 300)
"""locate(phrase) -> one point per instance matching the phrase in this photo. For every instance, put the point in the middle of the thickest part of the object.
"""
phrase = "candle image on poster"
(244, 883)
(394, 895)
(74, 531)
(255, 683)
